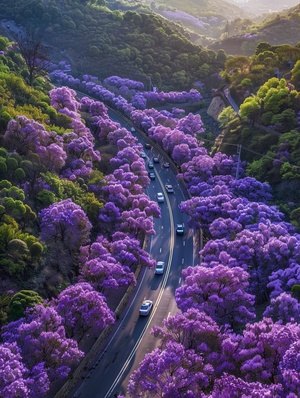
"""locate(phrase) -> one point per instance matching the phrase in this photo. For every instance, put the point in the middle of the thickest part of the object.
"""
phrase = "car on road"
(146, 307)
(169, 188)
(160, 267)
(147, 145)
(143, 155)
(155, 159)
(166, 164)
(150, 165)
(160, 197)
(151, 175)
(132, 129)
(179, 229)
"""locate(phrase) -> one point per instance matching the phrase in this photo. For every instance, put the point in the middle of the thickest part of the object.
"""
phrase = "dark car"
(179, 229)
(147, 145)
(155, 159)
(151, 175)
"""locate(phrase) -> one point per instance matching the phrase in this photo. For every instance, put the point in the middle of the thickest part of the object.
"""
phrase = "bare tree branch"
(34, 52)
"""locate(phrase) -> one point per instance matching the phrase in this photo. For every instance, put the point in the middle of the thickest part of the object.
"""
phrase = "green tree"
(250, 109)
(295, 79)
(226, 116)
(22, 300)
(262, 47)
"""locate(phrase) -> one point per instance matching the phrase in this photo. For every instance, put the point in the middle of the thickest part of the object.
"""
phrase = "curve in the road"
(156, 304)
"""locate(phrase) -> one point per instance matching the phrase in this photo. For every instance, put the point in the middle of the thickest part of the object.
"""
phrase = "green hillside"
(243, 36)
(103, 42)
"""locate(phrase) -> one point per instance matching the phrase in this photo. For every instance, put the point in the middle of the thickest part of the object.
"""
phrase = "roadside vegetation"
(74, 211)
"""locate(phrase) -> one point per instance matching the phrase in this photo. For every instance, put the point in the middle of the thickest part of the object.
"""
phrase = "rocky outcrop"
(216, 106)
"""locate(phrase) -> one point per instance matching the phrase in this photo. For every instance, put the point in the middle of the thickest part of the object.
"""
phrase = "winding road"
(131, 338)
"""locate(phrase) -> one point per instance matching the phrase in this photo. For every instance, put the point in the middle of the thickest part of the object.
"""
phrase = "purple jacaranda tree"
(82, 148)
(221, 292)
(136, 223)
(83, 309)
(173, 96)
(290, 370)
(195, 330)
(199, 168)
(128, 177)
(66, 223)
(141, 120)
(106, 275)
(214, 186)
(53, 157)
(224, 228)
(28, 136)
(128, 251)
(64, 97)
(259, 252)
(121, 138)
(94, 108)
(204, 210)
(41, 338)
(103, 125)
(203, 167)
(229, 386)
(122, 105)
(247, 187)
(283, 309)
(118, 81)
(283, 279)
(181, 154)
(109, 216)
(139, 101)
(191, 124)
(126, 155)
(250, 188)
(97, 91)
(226, 165)
(175, 138)
(175, 372)
(101, 269)
(158, 133)
(16, 380)
(116, 193)
(281, 250)
(261, 348)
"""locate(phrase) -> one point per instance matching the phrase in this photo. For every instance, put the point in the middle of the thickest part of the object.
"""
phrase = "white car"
(160, 197)
(169, 188)
(146, 307)
(160, 267)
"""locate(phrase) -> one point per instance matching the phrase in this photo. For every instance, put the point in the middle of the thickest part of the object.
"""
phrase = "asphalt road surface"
(131, 338)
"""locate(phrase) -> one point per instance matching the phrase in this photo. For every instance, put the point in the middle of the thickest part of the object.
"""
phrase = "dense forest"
(74, 211)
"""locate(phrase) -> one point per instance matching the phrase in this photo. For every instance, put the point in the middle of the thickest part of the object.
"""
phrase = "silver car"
(160, 267)
(146, 307)
(160, 197)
